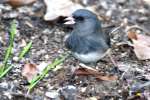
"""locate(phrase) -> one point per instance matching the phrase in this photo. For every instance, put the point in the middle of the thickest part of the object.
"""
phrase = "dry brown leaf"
(57, 8)
(16, 3)
(141, 50)
(141, 45)
(96, 74)
(29, 71)
(132, 35)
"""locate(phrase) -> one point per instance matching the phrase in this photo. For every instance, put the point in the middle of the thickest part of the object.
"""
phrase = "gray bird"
(87, 42)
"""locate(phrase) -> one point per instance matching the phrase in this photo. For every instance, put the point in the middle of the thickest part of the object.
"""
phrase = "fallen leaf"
(96, 74)
(57, 8)
(142, 51)
(29, 71)
(17, 3)
(132, 35)
(141, 45)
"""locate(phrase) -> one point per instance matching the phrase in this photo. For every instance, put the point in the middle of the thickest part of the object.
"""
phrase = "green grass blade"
(45, 71)
(25, 50)
(1, 68)
(13, 31)
(7, 55)
(9, 49)
(9, 67)
(12, 36)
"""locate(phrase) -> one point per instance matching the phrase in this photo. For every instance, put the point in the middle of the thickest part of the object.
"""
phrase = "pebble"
(11, 15)
(121, 1)
(83, 89)
(42, 66)
(4, 85)
(53, 95)
(69, 92)
(15, 58)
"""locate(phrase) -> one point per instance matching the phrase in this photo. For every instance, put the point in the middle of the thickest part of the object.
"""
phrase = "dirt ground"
(48, 44)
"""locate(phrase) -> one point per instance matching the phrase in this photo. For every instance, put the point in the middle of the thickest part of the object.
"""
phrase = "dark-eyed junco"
(86, 41)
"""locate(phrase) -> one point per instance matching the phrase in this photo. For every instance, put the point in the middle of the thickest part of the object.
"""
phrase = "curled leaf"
(132, 35)
(141, 44)
(29, 71)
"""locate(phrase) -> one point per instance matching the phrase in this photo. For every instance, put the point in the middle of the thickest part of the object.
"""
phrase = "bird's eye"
(79, 18)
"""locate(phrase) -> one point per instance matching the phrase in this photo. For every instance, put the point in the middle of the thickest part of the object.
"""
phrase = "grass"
(25, 50)
(51, 66)
(5, 67)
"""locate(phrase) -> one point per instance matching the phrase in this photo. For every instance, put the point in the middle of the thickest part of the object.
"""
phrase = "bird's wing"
(84, 45)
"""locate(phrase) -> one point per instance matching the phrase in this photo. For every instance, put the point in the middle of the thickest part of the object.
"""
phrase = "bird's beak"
(69, 21)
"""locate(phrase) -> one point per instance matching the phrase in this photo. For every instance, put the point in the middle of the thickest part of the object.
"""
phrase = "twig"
(111, 58)
(87, 67)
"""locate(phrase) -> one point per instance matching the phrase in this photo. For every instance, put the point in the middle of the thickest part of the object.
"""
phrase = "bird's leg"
(109, 53)
(115, 67)
(112, 60)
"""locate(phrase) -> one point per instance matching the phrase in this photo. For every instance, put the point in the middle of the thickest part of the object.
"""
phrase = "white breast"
(91, 57)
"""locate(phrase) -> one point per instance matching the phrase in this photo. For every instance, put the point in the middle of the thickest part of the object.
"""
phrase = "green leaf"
(9, 67)
(13, 31)
(25, 50)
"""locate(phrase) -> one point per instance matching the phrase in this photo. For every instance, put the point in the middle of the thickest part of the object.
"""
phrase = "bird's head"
(84, 20)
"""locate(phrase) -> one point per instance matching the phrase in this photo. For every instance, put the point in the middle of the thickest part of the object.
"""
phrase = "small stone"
(83, 89)
(15, 59)
(53, 95)
(121, 1)
(119, 91)
(69, 92)
(8, 95)
(41, 66)
(11, 15)
(4, 85)
(46, 56)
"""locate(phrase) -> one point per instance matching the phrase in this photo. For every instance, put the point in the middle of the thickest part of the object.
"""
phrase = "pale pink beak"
(70, 20)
